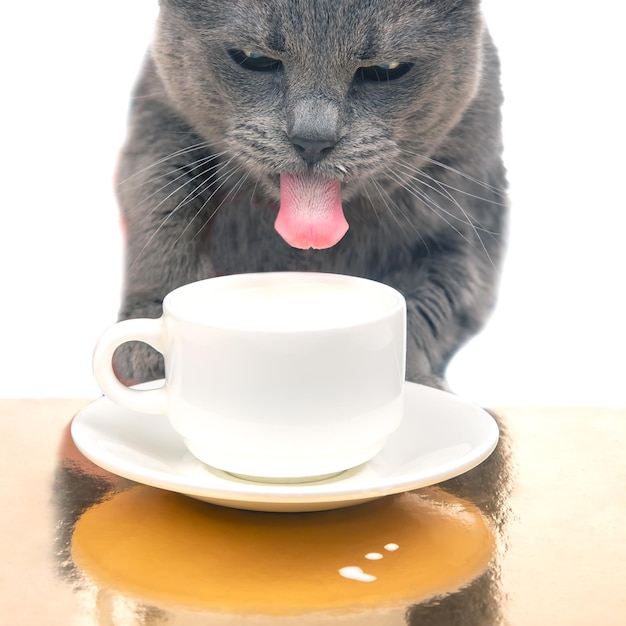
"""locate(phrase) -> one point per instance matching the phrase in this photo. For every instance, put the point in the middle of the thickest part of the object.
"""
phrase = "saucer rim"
(350, 487)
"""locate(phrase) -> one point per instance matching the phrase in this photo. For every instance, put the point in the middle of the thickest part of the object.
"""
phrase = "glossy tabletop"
(534, 535)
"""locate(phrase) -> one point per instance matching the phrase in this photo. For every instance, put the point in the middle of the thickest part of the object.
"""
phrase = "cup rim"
(170, 310)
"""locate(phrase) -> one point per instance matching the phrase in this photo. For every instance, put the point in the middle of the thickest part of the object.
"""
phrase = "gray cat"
(352, 136)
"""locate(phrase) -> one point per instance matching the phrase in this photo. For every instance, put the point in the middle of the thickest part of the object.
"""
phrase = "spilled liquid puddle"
(171, 550)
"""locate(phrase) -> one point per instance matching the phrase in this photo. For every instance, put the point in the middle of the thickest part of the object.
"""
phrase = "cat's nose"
(313, 150)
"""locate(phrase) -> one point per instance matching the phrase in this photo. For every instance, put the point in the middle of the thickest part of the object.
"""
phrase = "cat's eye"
(254, 61)
(384, 72)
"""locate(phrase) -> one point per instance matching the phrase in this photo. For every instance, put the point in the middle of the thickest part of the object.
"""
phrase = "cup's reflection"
(171, 551)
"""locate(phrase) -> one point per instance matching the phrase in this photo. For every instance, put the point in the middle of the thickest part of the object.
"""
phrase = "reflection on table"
(160, 557)
(532, 536)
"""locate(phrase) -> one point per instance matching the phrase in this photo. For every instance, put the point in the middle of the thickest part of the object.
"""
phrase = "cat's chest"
(242, 238)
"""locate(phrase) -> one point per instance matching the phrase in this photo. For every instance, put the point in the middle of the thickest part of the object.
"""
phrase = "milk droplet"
(374, 556)
(356, 573)
(392, 547)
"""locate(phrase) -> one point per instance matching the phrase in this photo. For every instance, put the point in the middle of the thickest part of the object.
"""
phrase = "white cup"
(282, 376)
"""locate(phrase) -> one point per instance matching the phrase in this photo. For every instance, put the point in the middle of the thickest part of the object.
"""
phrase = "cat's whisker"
(186, 150)
(253, 194)
(197, 191)
(444, 190)
(231, 194)
(476, 226)
(428, 202)
(480, 183)
(372, 203)
(184, 172)
(442, 213)
(214, 178)
(467, 193)
(190, 166)
(392, 210)
(222, 181)
(384, 196)
(469, 220)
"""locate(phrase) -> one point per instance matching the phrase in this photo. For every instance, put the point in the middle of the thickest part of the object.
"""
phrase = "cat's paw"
(431, 381)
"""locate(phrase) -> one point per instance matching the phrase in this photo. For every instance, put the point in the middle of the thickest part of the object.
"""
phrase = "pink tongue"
(310, 214)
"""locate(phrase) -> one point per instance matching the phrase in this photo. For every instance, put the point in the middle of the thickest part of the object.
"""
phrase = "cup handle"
(150, 331)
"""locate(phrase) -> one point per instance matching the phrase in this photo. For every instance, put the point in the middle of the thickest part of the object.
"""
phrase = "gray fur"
(423, 185)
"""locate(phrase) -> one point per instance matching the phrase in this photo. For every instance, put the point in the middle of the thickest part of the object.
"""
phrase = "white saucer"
(440, 437)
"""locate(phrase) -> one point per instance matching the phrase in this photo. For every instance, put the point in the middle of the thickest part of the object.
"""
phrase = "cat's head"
(316, 98)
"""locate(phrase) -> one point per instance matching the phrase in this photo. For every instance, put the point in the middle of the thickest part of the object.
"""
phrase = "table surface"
(535, 535)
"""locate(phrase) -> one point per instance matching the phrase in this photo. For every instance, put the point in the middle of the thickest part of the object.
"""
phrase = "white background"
(557, 337)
